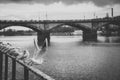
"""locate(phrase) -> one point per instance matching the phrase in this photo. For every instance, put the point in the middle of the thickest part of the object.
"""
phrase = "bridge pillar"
(90, 35)
(107, 31)
(42, 36)
(48, 37)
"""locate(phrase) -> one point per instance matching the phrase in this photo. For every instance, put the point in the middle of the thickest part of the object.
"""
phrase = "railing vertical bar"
(6, 67)
(1, 65)
(26, 73)
(27, 68)
(13, 69)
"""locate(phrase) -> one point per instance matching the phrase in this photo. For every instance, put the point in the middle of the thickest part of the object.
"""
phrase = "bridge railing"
(5, 55)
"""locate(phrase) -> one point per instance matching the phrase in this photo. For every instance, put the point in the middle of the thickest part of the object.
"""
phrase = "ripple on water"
(69, 59)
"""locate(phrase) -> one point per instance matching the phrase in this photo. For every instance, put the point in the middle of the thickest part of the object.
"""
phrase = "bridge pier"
(90, 35)
(107, 30)
(42, 36)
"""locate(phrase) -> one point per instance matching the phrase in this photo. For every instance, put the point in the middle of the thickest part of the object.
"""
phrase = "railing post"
(13, 69)
(26, 73)
(6, 67)
(1, 65)
(27, 68)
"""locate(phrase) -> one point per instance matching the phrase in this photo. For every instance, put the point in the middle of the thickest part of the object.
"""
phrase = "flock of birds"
(23, 55)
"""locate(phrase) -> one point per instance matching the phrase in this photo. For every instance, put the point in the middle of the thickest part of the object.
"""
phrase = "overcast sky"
(57, 9)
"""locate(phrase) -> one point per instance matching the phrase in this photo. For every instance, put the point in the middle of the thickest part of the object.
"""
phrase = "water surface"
(68, 58)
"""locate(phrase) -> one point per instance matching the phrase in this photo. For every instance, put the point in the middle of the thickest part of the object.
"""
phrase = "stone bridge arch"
(107, 29)
(88, 33)
(2, 26)
(41, 35)
(79, 26)
(106, 24)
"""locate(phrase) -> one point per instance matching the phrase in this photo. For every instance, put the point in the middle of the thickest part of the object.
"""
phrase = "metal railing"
(4, 59)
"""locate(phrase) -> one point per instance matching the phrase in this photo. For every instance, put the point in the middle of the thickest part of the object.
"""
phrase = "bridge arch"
(41, 35)
(108, 23)
(79, 26)
(21, 25)
(88, 33)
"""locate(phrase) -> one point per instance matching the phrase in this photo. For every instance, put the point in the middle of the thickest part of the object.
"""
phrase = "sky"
(57, 9)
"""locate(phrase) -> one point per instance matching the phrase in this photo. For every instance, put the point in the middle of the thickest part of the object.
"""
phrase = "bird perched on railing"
(4, 46)
(14, 51)
(19, 54)
(24, 56)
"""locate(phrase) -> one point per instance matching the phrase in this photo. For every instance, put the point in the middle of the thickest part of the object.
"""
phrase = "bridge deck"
(115, 19)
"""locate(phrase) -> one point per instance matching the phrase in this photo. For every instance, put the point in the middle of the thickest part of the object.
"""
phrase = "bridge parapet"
(43, 24)
(67, 21)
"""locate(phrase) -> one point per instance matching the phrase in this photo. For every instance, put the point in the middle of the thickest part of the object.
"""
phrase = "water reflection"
(114, 39)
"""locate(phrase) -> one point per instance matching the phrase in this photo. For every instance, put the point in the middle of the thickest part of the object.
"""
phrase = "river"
(68, 58)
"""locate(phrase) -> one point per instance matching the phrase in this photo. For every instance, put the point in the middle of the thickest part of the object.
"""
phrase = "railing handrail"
(27, 68)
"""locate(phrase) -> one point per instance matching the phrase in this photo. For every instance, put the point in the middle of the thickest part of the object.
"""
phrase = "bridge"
(43, 27)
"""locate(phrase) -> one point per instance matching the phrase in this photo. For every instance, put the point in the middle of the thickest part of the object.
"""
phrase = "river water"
(68, 58)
